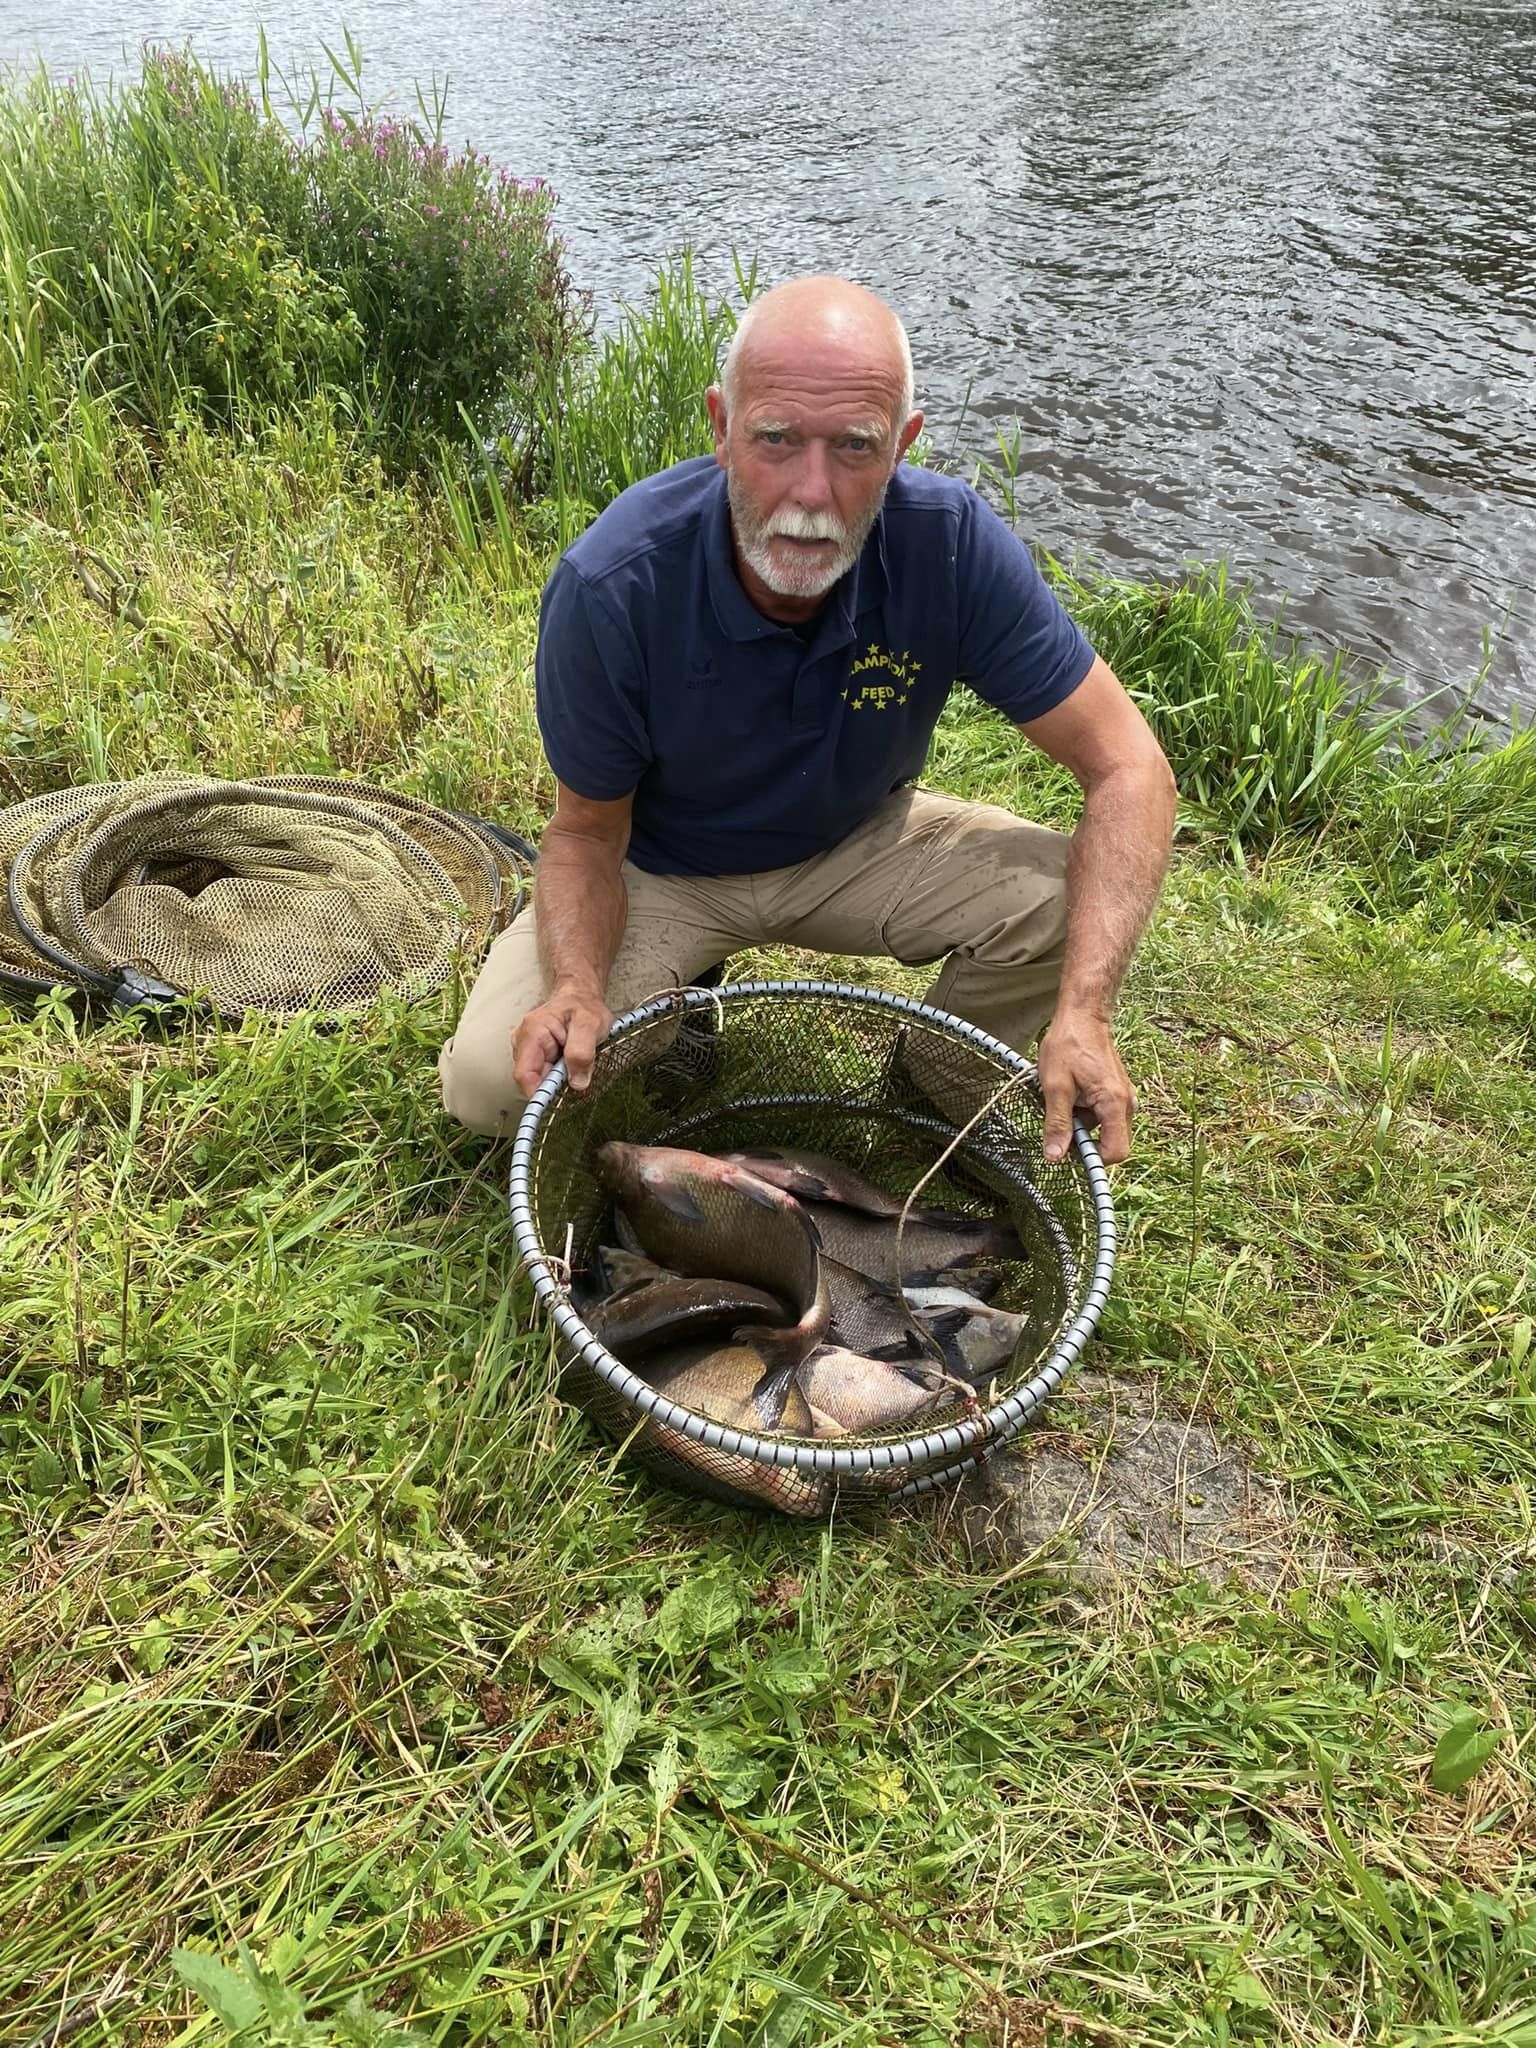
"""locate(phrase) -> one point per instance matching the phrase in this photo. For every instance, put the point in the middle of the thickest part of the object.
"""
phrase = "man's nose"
(813, 478)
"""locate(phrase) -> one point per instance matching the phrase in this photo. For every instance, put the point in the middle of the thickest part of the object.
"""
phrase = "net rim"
(937, 1454)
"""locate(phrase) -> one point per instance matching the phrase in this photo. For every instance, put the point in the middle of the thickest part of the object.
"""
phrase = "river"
(1256, 280)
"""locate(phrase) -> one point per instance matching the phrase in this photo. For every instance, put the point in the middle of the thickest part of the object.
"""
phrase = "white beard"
(755, 536)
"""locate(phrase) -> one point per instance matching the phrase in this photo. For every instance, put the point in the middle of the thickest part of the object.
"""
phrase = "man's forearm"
(1114, 877)
(581, 911)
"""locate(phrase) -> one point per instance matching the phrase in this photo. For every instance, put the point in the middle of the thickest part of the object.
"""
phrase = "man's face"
(808, 449)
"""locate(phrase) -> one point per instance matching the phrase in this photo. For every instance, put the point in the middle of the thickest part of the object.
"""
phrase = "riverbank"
(330, 1630)
(335, 1648)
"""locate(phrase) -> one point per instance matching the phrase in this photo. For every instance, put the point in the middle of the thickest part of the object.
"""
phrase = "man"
(738, 676)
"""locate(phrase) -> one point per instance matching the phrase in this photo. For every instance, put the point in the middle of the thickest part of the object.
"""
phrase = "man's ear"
(909, 434)
(714, 398)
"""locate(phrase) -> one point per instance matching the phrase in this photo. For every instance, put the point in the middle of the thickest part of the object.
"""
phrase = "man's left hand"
(1081, 1070)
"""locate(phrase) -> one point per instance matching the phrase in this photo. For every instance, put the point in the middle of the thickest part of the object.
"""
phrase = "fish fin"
(771, 1393)
(947, 1219)
(931, 1378)
(627, 1235)
(908, 1345)
(982, 1281)
(760, 1191)
(596, 1271)
(793, 1179)
(823, 1424)
(601, 1284)
(945, 1322)
(676, 1199)
(781, 1347)
(929, 1276)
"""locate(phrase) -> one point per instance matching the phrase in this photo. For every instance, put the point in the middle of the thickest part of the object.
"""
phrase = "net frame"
(930, 1457)
(20, 824)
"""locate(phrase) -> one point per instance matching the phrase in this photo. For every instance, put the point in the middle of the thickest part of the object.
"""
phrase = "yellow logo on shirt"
(879, 679)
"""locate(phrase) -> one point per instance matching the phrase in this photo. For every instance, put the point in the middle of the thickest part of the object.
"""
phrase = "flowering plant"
(190, 251)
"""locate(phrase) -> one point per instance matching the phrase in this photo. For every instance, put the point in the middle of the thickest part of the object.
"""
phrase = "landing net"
(278, 894)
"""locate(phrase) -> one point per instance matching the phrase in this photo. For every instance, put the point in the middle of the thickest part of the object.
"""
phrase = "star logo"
(858, 703)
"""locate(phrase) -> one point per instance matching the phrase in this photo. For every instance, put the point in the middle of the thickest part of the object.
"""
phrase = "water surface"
(1256, 281)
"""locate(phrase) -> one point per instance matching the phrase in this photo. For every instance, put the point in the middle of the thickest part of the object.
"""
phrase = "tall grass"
(171, 242)
(611, 414)
(1271, 744)
(1267, 740)
(1458, 821)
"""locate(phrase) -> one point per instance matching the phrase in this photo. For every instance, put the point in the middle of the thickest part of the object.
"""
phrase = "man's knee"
(1019, 905)
(477, 1086)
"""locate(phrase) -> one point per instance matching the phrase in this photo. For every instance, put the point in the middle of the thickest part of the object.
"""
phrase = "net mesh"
(883, 1087)
(22, 965)
(280, 894)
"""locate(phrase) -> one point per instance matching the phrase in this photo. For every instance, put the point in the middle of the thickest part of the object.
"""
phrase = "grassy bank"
(336, 1651)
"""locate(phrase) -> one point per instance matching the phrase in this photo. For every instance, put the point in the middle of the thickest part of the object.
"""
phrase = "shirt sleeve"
(589, 692)
(1019, 651)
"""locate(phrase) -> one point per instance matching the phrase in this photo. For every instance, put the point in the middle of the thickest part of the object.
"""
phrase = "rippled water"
(1257, 280)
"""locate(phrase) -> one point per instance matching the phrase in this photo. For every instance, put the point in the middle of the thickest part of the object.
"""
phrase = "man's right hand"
(568, 1021)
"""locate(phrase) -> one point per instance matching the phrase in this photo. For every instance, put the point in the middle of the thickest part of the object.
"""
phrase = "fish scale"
(868, 1243)
(872, 1318)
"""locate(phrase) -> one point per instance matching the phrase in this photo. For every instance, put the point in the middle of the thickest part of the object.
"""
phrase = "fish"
(736, 1384)
(708, 1218)
(784, 1487)
(868, 1243)
(944, 1293)
(694, 1374)
(816, 1177)
(612, 1270)
(639, 1318)
(977, 1283)
(874, 1319)
(975, 1340)
(633, 1304)
(861, 1394)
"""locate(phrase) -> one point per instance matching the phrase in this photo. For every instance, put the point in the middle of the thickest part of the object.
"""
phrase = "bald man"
(739, 669)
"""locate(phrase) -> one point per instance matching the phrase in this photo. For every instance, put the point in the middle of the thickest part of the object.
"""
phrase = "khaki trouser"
(924, 878)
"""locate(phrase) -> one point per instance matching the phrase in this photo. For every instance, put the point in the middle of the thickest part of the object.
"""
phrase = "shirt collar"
(739, 618)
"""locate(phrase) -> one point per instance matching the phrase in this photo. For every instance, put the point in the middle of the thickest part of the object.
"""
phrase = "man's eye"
(774, 436)
(857, 443)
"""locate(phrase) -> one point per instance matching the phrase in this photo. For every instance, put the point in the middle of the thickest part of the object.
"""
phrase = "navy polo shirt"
(751, 745)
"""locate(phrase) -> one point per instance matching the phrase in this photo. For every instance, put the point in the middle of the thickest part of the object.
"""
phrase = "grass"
(352, 1691)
